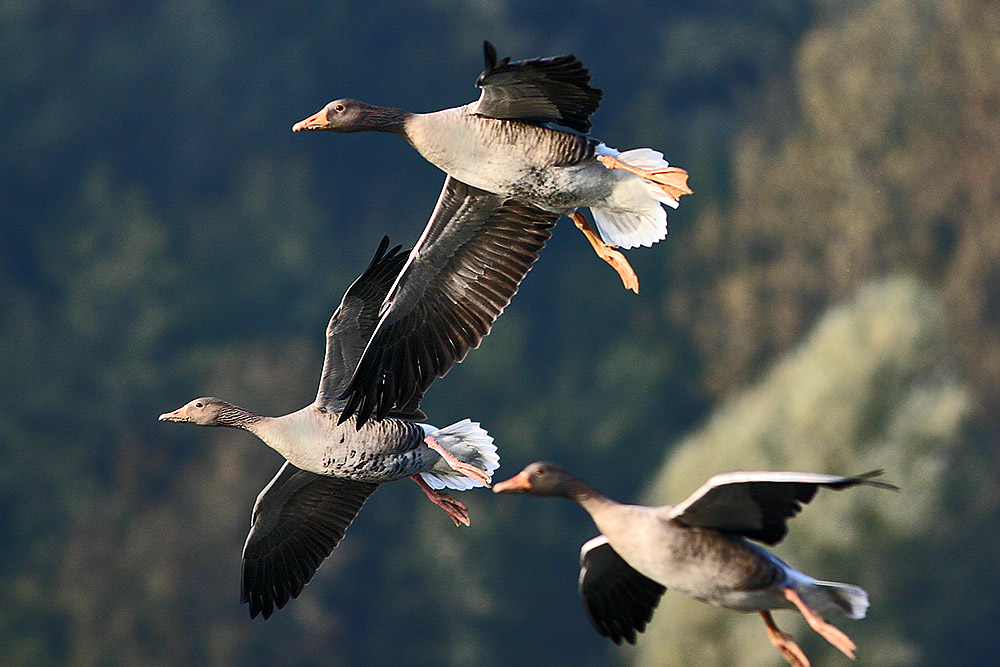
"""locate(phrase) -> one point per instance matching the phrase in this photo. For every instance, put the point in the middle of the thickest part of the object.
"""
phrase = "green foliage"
(888, 165)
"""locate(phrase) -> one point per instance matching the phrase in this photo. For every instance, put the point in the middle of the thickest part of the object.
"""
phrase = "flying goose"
(333, 464)
(702, 548)
(501, 145)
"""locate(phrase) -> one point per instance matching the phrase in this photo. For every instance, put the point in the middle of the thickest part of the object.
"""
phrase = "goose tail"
(636, 217)
(828, 596)
(470, 443)
(668, 184)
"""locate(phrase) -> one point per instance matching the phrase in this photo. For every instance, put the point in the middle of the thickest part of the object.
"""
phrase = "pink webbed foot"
(608, 253)
(672, 180)
(826, 630)
(782, 641)
(458, 512)
(466, 469)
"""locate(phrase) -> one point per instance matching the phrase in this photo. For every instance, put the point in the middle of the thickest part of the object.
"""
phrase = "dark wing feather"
(540, 90)
(758, 505)
(298, 519)
(618, 599)
(459, 277)
(353, 323)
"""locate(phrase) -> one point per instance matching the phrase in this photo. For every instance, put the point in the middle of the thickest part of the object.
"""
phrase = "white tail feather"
(631, 229)
(638, 219)
(650, 160)
(644, 158)
(471, 444)
(603, 149)
(827, 596)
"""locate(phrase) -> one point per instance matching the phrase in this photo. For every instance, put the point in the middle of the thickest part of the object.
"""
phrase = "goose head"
(347, 115)
(541, 478)
(207, 411)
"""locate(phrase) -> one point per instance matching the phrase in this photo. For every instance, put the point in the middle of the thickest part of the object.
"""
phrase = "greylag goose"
(501, 146)
(333, 464)
(701, 548)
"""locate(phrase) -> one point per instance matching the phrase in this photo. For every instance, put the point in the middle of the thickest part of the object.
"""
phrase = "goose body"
(716, 568)
(548, 168)
(554, 170)
(381, 451)
(336, 455)
(702, 548)
(501, 144)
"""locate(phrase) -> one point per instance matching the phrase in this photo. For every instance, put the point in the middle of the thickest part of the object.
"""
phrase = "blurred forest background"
(828, 300)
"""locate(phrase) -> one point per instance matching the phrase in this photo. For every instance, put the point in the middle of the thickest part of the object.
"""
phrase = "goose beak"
(519, 483)
(317, 121)
(178, 415)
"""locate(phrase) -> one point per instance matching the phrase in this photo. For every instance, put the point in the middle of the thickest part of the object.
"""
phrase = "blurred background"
(828, 300)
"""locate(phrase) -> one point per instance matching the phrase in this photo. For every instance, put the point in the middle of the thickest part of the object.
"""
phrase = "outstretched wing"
(618, 599)
(758, 505)
(459, 277)
(353, 323)
(298, 519)
(540, 90)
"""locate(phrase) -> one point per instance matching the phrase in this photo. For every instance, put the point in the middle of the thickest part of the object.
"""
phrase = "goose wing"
(459, 277)
(298, 519)
(758, 505)
(618, 599)
(540, 90)
(353, 323)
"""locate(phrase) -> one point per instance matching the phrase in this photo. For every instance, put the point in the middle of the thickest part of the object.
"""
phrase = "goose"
(502, 145)
(332, 465)
(701, 548)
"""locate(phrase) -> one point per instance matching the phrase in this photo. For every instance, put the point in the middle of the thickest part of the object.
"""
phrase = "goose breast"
(381, 451)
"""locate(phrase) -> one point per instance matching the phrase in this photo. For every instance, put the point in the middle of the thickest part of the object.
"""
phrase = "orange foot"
(466, 469)
(782, 641)
(454, 508)
(608, 253)
(829, 632)
(672, 180)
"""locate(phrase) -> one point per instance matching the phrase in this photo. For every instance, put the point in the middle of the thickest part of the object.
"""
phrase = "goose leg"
(607, 252)
(454, 508)
(829, 632)
(466, 469)
(672, 180)
(782, 641)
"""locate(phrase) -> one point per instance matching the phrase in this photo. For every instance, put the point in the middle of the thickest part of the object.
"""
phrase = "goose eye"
(339, 108)
(199, 405)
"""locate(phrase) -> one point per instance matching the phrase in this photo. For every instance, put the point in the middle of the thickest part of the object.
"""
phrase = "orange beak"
(519, 483)
(178, 415)
(317, 121)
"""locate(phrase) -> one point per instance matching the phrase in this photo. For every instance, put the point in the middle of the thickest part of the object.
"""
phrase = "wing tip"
(869, 479)
(489, 54)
